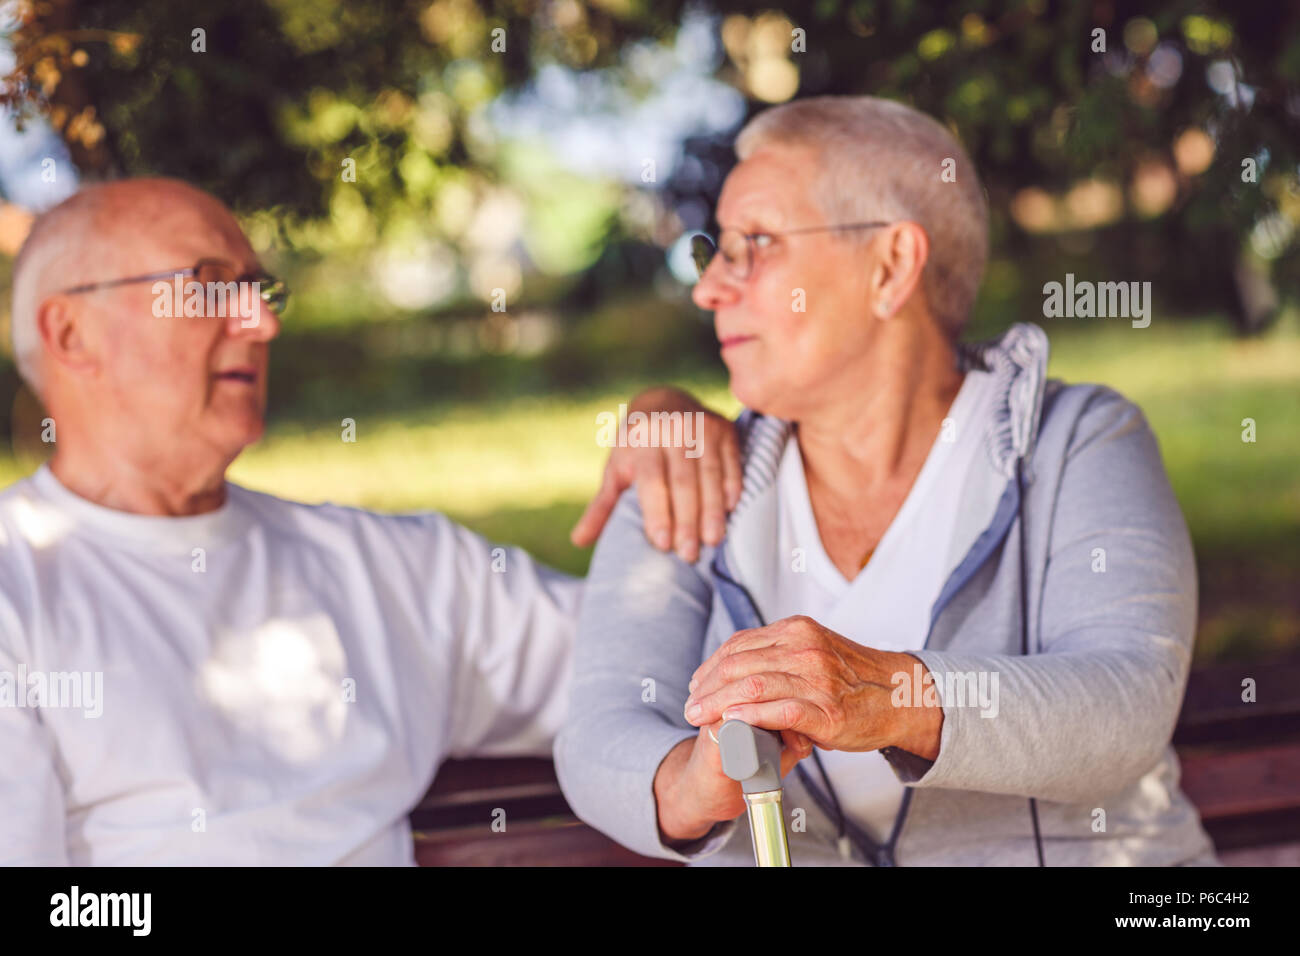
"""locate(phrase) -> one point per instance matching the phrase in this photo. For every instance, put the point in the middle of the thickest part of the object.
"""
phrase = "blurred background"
(406, 164)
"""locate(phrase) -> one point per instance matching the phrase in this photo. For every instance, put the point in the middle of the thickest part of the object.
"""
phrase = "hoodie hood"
(1018, 361)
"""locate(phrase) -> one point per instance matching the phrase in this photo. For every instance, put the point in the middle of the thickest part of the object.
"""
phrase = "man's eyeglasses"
(273, 291)
(740, 249)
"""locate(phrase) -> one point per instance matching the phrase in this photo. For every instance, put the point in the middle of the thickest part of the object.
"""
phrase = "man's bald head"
(104, 231)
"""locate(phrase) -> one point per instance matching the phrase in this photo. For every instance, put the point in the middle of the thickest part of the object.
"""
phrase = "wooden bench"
(1241, 761)
(1240, 765)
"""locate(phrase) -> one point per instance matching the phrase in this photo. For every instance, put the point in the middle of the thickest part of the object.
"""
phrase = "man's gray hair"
(62, 241)
(882, 160)
(30, 264)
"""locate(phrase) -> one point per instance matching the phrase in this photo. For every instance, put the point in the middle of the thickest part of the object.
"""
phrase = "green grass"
(1196, 383)
(520, 470)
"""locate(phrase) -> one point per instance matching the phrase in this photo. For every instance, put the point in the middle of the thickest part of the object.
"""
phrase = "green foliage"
(288, 93)
(1038, 106)
(278, 98)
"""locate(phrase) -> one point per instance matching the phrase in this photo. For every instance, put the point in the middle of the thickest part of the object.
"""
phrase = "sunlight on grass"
(1195, 383)
(528, 453)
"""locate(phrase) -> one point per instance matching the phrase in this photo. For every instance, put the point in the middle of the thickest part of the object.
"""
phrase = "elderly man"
(192, 672)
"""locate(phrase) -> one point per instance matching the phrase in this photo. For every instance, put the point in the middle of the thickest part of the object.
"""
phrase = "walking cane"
(753, 756)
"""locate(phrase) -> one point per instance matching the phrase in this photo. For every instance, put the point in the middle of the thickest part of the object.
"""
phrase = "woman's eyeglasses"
(740, 249)
(273, 291)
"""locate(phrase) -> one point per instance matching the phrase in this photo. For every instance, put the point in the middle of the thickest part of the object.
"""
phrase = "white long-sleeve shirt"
(268, 683)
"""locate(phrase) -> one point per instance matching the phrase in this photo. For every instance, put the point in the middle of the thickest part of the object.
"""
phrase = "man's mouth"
(248, 376)
(727, 341)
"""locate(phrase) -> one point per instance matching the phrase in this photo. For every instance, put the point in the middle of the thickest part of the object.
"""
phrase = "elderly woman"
(964, 593)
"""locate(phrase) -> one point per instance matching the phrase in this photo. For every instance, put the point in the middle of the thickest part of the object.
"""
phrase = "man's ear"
(904, 253)
(62, 332)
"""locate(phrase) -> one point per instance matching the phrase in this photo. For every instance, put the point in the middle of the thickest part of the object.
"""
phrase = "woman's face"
(795, 332)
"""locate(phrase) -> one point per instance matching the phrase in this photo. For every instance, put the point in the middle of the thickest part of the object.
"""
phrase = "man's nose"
(716, 288)
(262, 325)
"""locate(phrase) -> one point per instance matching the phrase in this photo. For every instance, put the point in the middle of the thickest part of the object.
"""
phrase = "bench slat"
(1236, 783)
(526, 843)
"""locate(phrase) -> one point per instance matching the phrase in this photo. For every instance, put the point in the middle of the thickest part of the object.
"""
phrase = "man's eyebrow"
(757, 220)
(752, 229)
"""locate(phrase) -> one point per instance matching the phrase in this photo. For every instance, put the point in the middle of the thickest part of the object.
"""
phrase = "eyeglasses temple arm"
(847, 225)
(153, 276)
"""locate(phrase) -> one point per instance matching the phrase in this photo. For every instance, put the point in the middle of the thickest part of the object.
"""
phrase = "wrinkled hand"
(691, 791)
(796, 675)
(684, 500)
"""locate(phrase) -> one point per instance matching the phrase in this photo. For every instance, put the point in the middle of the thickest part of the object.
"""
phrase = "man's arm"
(508, 623)
(511, 620)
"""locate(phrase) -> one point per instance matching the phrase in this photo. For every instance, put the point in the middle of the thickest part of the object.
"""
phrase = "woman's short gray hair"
(883, 160)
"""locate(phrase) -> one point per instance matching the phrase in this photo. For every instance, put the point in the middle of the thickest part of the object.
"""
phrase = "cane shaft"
(767, 826)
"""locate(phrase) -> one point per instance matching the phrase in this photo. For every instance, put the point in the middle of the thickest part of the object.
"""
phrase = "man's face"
(181, 387)
(790, 332)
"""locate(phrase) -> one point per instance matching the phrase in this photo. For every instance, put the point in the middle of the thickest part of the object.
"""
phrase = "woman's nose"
(715, 288)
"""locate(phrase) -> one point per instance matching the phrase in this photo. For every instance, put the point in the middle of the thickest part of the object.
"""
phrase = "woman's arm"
(640, 636)
(1093, 712)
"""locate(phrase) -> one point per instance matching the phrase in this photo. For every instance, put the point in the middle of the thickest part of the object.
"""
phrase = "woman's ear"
(905, 248)
(63, 335)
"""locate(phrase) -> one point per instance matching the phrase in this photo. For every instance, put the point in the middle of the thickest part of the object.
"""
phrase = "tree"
(1167, 138)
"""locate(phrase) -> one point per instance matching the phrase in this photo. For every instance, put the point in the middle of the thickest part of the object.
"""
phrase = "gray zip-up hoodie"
(1079, 749)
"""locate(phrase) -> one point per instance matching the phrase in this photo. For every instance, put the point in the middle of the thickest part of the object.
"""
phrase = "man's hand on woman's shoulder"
(685, 463)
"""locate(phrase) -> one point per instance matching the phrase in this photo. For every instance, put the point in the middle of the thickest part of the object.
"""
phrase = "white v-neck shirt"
(887, 606)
